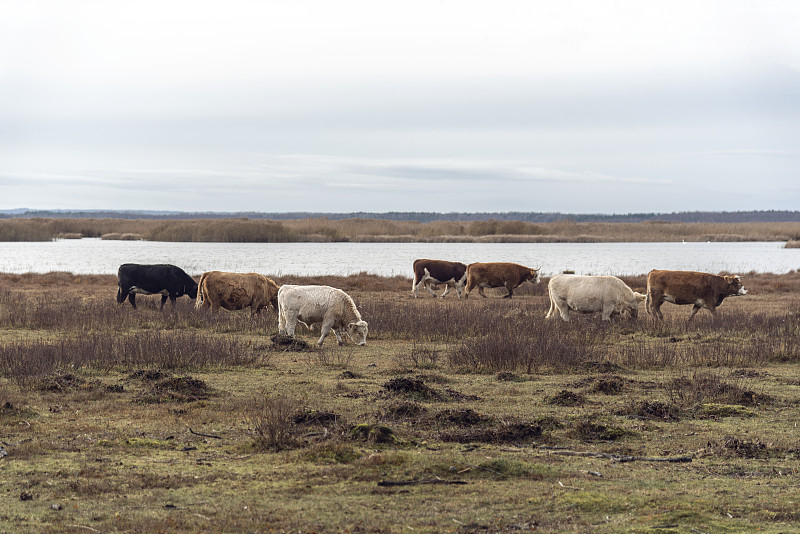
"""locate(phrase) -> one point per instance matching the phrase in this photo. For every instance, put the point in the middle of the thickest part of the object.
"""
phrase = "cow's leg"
(563, 308)
(510, 288)
(339, 339)
(608, 310)
(281, 320)
(657, 310)
(551, 313)
(415, 285)
(446, 291)
(163, 301)
(121, 295)
(429, 288)
(132, 299)
(291, 322)
(325, 330)
(480, 291)
(653, 303)
(695, 309)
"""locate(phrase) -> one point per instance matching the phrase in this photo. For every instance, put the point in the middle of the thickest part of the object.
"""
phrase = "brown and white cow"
(702, 290)
(589, 294)
(437, 272)
(499, 274)
(236, 291)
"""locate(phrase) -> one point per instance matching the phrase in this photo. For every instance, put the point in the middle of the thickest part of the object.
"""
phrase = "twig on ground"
(204, 435)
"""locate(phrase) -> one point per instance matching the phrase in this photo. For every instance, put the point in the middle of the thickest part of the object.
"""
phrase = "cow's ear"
(730, 279)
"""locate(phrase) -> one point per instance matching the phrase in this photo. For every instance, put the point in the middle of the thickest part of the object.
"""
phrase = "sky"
(574, 106)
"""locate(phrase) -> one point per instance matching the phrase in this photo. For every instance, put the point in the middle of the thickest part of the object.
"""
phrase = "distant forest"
(425, 217)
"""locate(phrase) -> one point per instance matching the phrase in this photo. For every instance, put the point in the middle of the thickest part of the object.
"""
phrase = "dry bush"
(704, 387)
(28, 362)
(530, 345)
(419, 357)
(380, 230)
(271, 418)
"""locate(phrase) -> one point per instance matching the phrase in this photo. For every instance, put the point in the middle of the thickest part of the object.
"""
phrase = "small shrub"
(271, 419)
(418, 357)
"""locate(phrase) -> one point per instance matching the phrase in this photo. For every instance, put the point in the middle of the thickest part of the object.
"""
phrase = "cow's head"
(633, 306)
(460, 285)
(191, 290)
(735, 286)
(533, 276)
(357, 332)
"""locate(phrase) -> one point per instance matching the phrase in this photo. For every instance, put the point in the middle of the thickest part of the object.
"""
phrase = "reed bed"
(378, 230)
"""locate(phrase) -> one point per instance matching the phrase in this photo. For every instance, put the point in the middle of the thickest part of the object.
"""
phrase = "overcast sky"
(580, 106)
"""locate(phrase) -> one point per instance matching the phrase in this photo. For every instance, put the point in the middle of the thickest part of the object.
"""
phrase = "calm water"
(94, 256)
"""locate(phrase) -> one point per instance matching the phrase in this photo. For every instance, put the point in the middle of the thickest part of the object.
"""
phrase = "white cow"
(331, 307)
(588, 294)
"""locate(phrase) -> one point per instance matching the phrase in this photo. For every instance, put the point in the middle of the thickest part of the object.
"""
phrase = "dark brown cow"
(436, 272)
(508, 275)
(236, 291)
(702, 290)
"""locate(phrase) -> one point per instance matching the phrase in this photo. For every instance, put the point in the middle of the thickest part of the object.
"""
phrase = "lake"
(95, 256)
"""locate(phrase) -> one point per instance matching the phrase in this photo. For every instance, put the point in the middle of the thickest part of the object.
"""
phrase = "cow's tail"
(647, 299)
(201, 292)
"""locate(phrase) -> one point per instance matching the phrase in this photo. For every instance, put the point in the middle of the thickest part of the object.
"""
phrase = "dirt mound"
(566, 398)
(411, 387)
(592, 429)
(373, 433)
(67, 382)
(402, 410)
(745, 448)
(507, 433)
(467, 417)
(176, 389)
(315, 417)
(601, 367)
(148, 374)
(655, 410)
(284, 342)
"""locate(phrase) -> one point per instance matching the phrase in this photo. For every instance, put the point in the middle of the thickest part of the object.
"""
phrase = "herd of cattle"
(334, 310)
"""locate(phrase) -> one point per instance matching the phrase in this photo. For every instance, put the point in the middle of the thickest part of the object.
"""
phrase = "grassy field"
(457, 416)
(373, 230)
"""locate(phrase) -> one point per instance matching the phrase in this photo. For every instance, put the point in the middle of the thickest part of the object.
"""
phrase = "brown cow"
(437, 272)
(236, 291)
(702, 290)
(508, 275)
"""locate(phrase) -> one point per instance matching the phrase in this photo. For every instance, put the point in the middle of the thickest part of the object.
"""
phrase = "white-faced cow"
(590, 294)
(701, 290)
(438, 272)
(500, 274)
(236, 291)
(166, 280)
(331, 307)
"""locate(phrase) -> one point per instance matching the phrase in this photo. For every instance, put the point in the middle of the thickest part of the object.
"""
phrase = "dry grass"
(374, 230)
(121, 420)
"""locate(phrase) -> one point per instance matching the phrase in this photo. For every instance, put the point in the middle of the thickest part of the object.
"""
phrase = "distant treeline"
(424, 217)
(323, 229)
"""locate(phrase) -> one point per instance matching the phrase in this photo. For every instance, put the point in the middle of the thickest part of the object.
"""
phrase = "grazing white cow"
(590, 294)
(331, 307)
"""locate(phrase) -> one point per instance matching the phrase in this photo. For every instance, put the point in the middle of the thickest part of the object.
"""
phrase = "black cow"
(166, 280)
